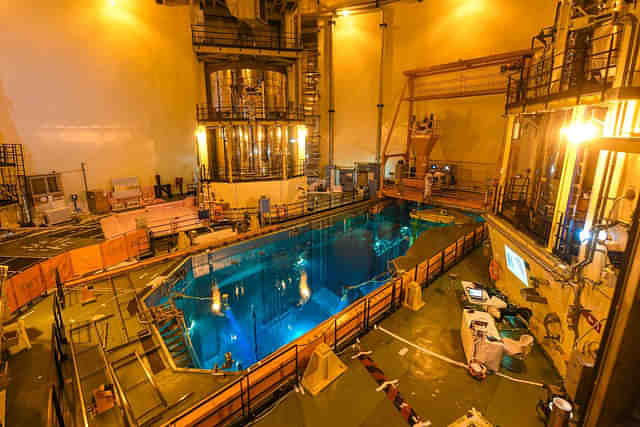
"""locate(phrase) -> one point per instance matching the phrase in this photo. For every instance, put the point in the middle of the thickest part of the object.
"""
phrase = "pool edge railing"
(233, 404)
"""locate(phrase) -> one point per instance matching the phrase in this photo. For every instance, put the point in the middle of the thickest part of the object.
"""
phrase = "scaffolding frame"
(13, 177)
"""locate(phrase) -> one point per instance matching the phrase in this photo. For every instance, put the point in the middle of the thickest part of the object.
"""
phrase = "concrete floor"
(31, 372)
(22, 251)
(437, 391)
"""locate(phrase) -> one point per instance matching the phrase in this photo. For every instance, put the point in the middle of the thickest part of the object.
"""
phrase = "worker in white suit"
(428, 182)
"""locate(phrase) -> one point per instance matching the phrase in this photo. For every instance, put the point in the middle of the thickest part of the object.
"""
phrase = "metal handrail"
(247, 37)
(299, 209)
(76, 374)
(120, 395)
(187, 337)
(55, 415)
(541, 72)
(4, 271)
(58, 355)
(220, 174)
(207, 112)
(151, 380)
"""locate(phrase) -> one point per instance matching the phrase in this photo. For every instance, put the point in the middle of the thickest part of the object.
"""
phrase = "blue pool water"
(273, 290)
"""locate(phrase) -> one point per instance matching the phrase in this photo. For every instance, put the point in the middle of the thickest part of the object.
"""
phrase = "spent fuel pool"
(250, 299)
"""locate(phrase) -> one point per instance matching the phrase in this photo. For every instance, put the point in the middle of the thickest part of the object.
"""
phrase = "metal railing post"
(248, 395)
(393, 295)
(58, 357)
(59, 288)
(606, 72)
(366, 309)
(426, 275)
(242, 399)
(297, 367)
(56, 407)
(76, 372)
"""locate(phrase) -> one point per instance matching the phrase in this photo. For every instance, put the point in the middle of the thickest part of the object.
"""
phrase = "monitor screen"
(516, 265)
(475, 293)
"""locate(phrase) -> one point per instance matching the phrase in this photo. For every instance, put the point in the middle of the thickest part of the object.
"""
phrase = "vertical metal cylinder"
(383, 28)
(560, 413)
(221, 87)
(275, 93)
(332, 131)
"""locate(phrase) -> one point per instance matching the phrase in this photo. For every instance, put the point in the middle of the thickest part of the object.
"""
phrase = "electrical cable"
(451, 361)
(518, 380)
(185, 296)
(422, 349)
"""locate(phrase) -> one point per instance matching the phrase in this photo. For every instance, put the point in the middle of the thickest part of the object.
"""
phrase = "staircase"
(311, 94)
(170, 323)
(137, 382)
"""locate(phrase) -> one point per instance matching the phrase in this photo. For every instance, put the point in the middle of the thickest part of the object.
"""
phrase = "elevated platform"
(457, 199)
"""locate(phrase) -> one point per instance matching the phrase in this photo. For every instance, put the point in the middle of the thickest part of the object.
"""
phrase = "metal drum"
(245, 93)
(275, 94)
(221, 86)
(560, 413)
(253, 149)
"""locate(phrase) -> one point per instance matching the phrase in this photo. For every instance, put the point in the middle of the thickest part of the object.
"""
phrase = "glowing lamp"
(578, 133)
(215, 307)
(603, 235)
(305, 291)
(585, 235)
(344, 13)
(302, 137)
(201, 136)
(216, 304)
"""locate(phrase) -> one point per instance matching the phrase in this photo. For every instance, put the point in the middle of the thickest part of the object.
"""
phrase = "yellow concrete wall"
(420, 35)
(559, 297)
(112, 83)
(246, 194)
(357, 64)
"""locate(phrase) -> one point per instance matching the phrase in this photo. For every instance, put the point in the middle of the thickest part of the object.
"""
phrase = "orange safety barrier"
(137, 242)
(450, 255)
(28, 285)
(62, 263)
(114, 251)
(86, 260)
(460, 245)
(12, 302)
(421, 275)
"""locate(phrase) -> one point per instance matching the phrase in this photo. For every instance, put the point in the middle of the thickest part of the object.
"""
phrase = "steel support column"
(380, 106)
(332, 125)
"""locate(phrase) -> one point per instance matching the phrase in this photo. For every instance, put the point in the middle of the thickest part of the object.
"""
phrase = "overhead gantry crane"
(480, 76)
